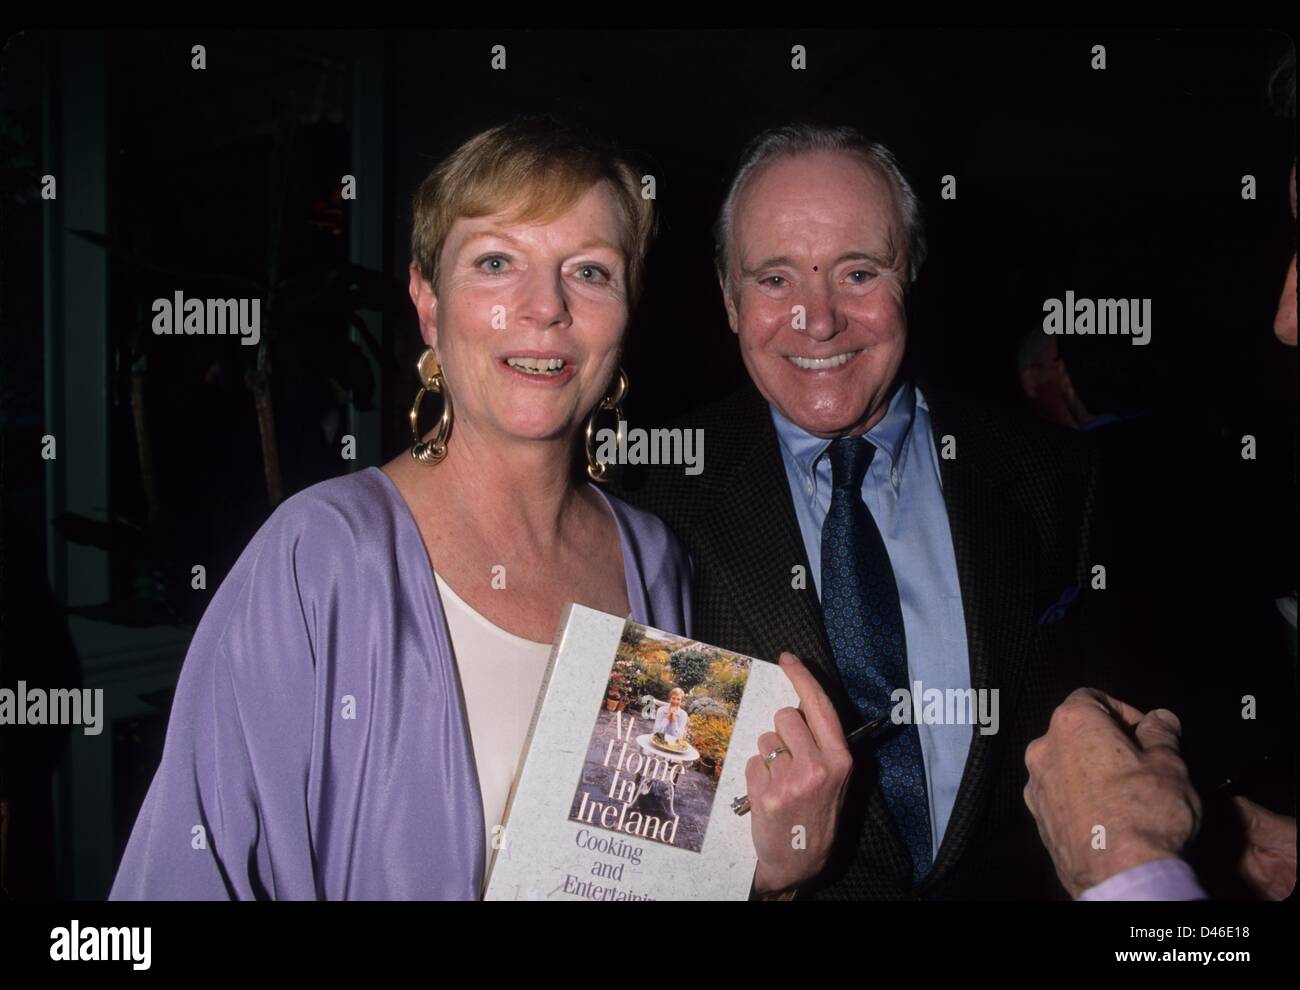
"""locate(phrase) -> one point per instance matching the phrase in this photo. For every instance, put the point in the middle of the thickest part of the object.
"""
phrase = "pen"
(741, 804)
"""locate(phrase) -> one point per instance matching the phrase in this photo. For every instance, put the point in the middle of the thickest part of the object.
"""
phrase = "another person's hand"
(802, 788)
(1104, 763)
(1267, 864)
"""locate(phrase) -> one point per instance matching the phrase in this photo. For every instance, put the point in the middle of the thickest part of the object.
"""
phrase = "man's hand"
(804, 786)
(1268, 862)
(1104, 763)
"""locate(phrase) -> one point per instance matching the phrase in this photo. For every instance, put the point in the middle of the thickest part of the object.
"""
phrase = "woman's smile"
(538, 369)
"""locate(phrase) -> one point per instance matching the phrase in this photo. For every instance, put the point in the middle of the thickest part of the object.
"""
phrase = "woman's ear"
(426, 306)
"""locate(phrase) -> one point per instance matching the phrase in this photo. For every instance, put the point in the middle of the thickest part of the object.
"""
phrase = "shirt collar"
(889, 437)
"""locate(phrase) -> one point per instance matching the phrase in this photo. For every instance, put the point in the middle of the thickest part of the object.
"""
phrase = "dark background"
(1117, 183)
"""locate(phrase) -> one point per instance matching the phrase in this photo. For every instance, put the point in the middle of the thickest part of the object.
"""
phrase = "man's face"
(1046, 386)
(818, 267)
(1284, 322)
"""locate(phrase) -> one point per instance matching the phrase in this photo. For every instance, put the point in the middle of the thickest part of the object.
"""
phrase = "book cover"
(636, 752)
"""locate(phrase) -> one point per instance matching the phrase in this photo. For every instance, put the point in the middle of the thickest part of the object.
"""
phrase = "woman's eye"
(493, 264)
(593, 273)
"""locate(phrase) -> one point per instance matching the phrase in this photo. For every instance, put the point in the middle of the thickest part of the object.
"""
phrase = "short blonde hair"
(541, 165)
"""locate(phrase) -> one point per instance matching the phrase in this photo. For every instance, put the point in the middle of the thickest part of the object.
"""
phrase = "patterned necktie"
(864, 622)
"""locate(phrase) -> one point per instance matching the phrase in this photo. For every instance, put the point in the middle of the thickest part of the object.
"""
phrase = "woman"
(354, 704)
(671, 720)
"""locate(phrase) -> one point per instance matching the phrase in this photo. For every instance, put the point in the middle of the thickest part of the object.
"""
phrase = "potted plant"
(710, 735)
(614, 694)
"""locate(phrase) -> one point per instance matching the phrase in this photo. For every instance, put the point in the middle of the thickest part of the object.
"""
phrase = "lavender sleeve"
(219, 820)
(1158, 880)
(317, 747)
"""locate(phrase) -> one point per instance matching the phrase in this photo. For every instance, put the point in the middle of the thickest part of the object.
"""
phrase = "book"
(635, 755)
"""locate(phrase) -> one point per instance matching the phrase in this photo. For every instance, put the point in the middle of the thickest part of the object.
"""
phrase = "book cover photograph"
(660, 738)
(636, 755)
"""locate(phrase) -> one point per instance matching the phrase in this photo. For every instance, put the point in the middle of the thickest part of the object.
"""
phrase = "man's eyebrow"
(778, 262)
(782, 261)
(865, 256)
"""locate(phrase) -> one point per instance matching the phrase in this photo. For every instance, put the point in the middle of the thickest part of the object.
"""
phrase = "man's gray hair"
(797, 139)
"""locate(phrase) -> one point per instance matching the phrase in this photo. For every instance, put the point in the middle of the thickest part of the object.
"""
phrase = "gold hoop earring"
(431, 380)
(611, 403)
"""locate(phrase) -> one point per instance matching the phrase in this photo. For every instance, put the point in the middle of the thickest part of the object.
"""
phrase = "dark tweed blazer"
(1019, 498)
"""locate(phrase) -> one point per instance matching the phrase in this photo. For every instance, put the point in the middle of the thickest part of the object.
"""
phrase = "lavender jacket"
(318, 746)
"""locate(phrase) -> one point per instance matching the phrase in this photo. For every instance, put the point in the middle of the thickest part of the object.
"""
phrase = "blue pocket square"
(1057, 611)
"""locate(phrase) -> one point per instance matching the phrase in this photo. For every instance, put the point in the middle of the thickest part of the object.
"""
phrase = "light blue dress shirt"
(904, 494)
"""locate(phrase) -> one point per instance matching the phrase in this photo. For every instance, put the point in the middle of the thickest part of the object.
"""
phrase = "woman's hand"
(796, 798)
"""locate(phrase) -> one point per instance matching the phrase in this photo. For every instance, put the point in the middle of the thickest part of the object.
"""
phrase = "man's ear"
(1029, 384)
(426, 306)
(733, 317)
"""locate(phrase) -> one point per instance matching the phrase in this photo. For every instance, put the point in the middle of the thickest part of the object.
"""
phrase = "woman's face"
(675, 697)
(528, 320)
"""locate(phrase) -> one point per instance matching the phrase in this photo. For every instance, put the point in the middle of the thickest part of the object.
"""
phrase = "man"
(1103, 763)
(884, 531)
(1083, 383)
(1046, 384)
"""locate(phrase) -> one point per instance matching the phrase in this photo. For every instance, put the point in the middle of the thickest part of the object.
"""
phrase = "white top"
(501, 678)
(675, 727)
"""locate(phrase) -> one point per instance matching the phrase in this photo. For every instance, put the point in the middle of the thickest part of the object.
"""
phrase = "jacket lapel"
(752, 526)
